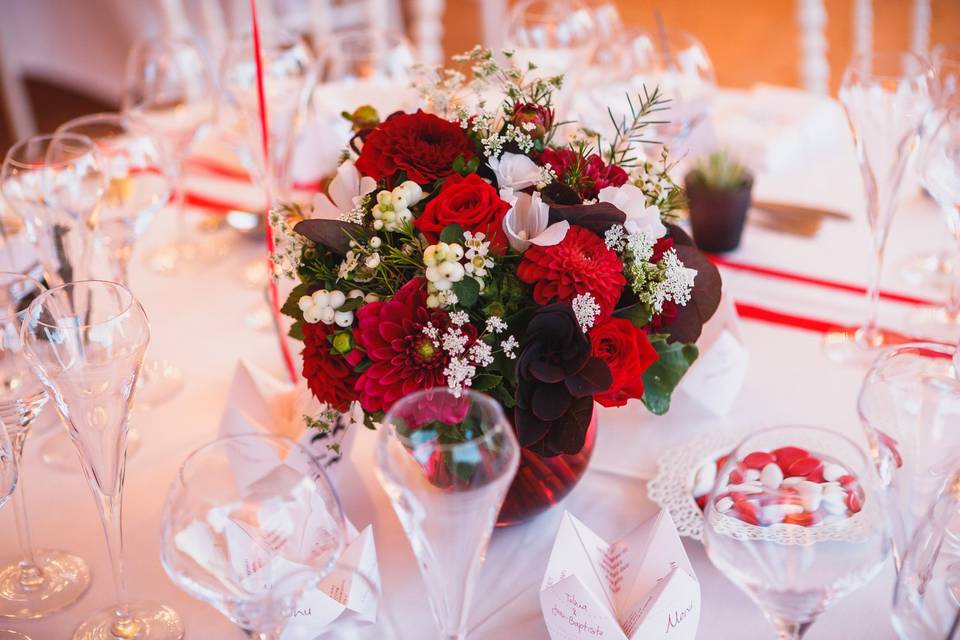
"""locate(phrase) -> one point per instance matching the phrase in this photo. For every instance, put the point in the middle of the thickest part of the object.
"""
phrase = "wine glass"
(908, 408)
(168, 90)
(793, 541)
(137, 189)
(40, 581)
(250, 523)
(886, 97)
(85, 340)
(446, 460)
(678, 64)
(8, 484)
(55, 183)
(938, 268)
(940, 173)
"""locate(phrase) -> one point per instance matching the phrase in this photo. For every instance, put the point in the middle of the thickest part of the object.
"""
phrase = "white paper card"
(639, 588)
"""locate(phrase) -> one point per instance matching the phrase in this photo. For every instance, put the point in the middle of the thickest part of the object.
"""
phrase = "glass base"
(58, 451)
(10, 634)
(935, 324)
(65, 578)
(857, 348)
(177, 257)
(259, 318)
(153, 621)
(934, 270)
(159, 381)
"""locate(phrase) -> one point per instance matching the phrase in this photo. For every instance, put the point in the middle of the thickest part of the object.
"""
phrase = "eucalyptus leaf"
(467, 290)
(452, 233)
(663, 376)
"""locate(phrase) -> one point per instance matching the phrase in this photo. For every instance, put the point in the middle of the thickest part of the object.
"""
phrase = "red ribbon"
(265, 141)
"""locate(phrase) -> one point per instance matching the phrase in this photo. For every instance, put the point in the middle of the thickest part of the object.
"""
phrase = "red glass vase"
(542, 482)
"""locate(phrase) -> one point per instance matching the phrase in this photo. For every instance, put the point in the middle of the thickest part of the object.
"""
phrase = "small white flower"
(459, 318)
(586, 309)
(372, 261)
(613, 238)
(481, 353)
(454, 341)
(495, 324)
(509, 347)
(677, 284)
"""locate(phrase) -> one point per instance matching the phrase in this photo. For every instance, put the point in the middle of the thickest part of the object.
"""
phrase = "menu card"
(640, 587)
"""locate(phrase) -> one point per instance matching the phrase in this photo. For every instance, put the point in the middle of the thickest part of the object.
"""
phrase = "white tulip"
(514, 171)
(640, 218)
(528, 222)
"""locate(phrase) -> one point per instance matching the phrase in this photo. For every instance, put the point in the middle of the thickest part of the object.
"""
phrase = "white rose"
(514, 171)
(528, 221)
(640, 217)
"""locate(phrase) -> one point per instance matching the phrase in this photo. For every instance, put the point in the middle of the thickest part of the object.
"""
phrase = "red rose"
(628, 353)
(419, 144)
(469, 202)
(585, 175)
(580, 263)
(330, 377)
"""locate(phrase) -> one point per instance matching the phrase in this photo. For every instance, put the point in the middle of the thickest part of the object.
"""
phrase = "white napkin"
(641, 587)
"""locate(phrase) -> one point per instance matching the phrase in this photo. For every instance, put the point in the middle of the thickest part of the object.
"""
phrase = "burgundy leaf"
(593, 378)
(597, 217)
(335, 235)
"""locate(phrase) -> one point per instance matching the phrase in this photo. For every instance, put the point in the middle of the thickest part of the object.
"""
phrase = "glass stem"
(30, 574)
(869, 332)
(268, 635)
(953, 304)
(790, 630)
(121, 264)
(180, 204)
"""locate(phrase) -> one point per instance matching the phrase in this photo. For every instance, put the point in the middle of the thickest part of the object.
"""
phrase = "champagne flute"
(940, 173)
(85, 340)
(168, 90)
(54, 183)
(250, 523)
(795, 544)
(8, 484)
(41, 581)
(446, 460)
(138, 189)
(886, 96)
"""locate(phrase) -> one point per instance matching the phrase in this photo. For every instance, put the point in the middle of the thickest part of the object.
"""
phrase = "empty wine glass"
(85, 341)
(168, 89)
(40, 581)
(137, 189)
(55, 183)
(793, 542)
(446, 461)
(908, 406)
(938, 269)
(250, 523)
(886, 97)
(678, 64)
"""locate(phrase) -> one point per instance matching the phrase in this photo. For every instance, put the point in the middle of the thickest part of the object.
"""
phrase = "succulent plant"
(720, 171)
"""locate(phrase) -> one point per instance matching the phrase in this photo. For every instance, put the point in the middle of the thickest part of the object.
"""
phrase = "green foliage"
(465, 168)
(468, 291)
(720, 171)
(639, 314)
(663, 376)
(485, 382)
(452, 234)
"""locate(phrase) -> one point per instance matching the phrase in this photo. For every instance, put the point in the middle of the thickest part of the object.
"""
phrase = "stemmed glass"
(677, 63)
(137, 189)
(168, 89)
(797, 545)
(940, 172)
(44, 580)
(938, 269)
(85, 340)
(446, 461)
(886, 97)
(8, 484)
(250, 523)
(55, 183)
(908, 409)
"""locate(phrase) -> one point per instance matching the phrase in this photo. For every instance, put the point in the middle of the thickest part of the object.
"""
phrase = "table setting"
(557, 341)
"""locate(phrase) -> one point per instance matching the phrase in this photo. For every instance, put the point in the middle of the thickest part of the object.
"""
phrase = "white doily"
(672, 489)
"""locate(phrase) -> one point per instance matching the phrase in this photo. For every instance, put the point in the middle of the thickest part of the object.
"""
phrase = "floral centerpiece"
(482, 244)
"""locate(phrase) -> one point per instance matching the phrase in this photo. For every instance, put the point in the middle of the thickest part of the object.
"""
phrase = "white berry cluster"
(322, 306)
(392, 210)
(443, 270)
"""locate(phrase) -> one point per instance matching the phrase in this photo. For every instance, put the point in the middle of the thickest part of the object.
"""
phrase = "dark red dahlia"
(581, 263)
(586, 175)
(403, 358)
(420, 144)
(329, 376)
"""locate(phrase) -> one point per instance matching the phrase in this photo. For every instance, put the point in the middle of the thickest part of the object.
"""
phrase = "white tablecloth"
(198, 323)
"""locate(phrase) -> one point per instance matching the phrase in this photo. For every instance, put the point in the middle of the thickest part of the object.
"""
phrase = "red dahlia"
(330, 377)
(581, 263)
(585, 175)
(420, 144)
(403, 359)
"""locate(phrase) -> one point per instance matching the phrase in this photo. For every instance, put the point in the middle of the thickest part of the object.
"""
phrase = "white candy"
(771, 476)
(703, 481)
(724, 504)
(811, 494)
(746, 489)
(792, 481)
(833, 472)
(835, 500)
(751, 474)
(343, 318)
(775, 513)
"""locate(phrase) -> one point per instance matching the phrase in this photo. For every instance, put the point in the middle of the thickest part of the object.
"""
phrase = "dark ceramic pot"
(717, 217)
